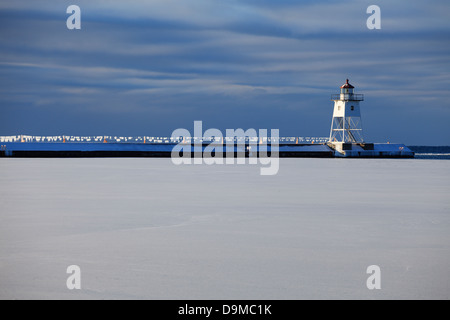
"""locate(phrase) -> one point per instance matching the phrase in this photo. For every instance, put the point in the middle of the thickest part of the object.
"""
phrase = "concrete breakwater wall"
(74, 150)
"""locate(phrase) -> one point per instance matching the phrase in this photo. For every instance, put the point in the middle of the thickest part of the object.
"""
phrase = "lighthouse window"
(352, 108)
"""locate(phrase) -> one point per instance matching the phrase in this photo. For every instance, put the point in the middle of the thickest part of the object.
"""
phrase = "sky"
(150, 67)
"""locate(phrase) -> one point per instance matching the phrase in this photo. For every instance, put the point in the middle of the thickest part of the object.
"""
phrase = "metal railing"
(348, 97)
(149, 139)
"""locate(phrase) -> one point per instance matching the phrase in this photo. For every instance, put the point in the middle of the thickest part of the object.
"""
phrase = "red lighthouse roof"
(347, 85)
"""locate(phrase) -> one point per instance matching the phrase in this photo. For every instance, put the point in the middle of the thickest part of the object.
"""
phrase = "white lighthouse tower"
(346, 126)
(346, 135)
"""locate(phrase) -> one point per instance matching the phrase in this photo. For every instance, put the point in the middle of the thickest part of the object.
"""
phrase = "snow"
(147, 229)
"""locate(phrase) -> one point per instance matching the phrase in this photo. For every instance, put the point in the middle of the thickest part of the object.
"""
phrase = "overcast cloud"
(149, 67)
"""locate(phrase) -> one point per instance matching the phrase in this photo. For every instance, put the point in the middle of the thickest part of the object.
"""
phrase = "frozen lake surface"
(147, 229)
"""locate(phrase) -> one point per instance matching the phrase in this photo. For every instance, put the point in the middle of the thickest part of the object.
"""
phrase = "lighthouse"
(346, 126)
(346, 134)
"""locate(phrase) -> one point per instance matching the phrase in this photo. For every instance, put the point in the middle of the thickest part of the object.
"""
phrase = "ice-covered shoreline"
(146, 229)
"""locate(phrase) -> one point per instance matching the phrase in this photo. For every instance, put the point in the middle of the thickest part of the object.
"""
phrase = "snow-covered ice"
(147, 229)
